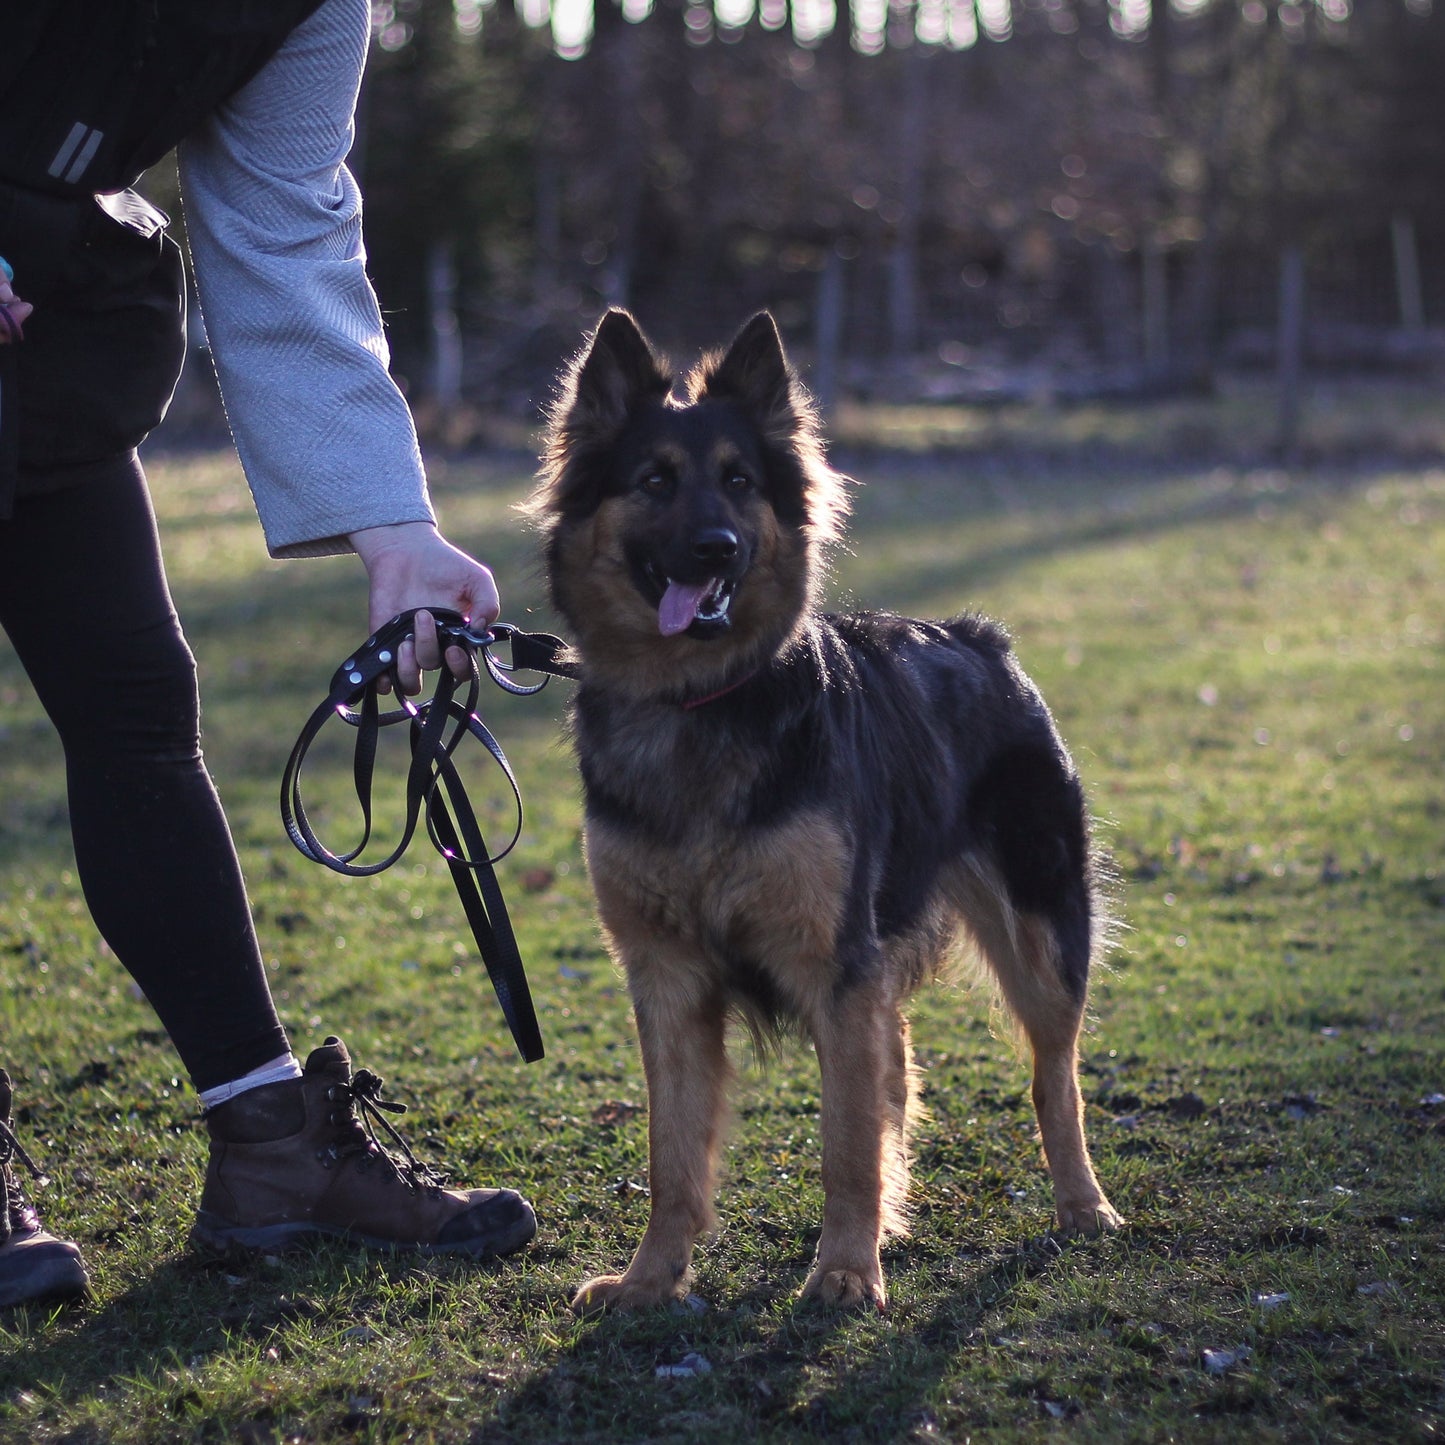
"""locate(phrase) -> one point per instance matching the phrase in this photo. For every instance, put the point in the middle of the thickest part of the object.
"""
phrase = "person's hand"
(15, 310)
(412, 565)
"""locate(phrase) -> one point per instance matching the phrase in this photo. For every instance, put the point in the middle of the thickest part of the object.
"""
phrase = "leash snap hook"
(501, 672)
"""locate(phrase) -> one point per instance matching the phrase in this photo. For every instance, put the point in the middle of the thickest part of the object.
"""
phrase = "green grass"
(1247, 663)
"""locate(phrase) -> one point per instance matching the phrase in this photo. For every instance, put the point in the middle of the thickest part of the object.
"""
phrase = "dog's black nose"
(716, 544)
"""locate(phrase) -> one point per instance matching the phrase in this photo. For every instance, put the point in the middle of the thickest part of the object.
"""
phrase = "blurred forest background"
(938, 198)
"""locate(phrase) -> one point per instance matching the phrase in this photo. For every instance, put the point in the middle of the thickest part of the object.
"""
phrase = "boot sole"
(213, 1233)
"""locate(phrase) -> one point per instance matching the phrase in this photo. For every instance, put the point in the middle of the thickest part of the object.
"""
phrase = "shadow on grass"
(166, 1318)
(775, 1367)
(157, 1339)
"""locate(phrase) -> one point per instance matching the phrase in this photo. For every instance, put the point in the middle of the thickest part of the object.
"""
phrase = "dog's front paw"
(1097, 1216)
(618, 1292)
(846, 1288)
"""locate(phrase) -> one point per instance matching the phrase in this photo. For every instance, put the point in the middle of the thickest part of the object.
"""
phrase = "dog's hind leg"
(862, 1053)
(685, 1059)
(1044, 990)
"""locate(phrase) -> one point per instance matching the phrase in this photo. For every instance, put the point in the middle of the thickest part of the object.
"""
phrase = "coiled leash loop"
(434, 788)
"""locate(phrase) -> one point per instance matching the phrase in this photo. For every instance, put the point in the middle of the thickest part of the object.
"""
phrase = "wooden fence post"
(828, 331)
(1289, 349)
(1407, 274)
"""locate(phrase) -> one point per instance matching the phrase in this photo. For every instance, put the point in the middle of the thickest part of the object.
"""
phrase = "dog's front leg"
(856, 1038)
(685, 1060)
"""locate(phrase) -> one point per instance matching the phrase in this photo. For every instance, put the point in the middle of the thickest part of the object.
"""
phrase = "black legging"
(83, 598)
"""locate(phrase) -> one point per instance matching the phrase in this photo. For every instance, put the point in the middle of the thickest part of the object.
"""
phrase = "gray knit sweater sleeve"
(274, 222)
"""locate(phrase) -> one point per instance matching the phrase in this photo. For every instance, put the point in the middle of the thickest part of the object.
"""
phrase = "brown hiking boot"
(34, 1264)
(301, 1158)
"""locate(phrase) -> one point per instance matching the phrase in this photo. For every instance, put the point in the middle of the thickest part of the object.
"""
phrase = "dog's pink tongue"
(679, 606)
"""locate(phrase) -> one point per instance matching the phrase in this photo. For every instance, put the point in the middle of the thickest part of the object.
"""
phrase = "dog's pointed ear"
(755, 370)
(618, 370)
(755, 373)
(615, 371)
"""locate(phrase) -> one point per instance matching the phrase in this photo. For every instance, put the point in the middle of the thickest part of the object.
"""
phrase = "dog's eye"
(656, 484)
(738, 482)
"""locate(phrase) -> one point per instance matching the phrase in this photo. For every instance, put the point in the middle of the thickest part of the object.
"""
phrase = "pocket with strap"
(104, 347)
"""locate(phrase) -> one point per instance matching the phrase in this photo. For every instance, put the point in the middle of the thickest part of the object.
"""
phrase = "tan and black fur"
(793, 816)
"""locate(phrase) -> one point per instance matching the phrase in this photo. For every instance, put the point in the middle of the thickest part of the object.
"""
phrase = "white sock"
(281, 1068)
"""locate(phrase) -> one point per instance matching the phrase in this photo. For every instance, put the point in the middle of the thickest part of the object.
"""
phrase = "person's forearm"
(274, 221)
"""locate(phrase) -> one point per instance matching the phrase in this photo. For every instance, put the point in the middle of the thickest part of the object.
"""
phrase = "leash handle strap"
(436, 728)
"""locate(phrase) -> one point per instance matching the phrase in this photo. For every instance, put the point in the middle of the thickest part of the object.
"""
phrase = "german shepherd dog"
(791, 815)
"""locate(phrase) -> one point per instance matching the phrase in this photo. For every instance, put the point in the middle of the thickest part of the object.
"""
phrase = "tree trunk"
(548, 183)
(617, 52)
(1155, 279)
(903, 259)
(446, 336)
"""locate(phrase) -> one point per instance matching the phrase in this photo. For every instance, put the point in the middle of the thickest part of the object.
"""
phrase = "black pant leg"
(153, 849)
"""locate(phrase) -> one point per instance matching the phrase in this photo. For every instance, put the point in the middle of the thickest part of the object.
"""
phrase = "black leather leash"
(437, 726)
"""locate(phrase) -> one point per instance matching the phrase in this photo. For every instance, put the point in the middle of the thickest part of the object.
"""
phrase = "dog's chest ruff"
(767, 900)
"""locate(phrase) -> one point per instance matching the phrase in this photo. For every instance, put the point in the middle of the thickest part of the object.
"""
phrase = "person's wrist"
(373, 542)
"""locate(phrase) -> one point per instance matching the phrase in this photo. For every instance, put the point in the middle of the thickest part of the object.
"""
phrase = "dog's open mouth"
(701, 607)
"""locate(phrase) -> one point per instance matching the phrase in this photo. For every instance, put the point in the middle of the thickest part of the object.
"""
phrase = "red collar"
(721, 692)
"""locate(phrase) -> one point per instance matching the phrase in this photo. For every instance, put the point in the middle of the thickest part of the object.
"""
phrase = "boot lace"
(362, 1111)
(14, 1206)
(11, 1148)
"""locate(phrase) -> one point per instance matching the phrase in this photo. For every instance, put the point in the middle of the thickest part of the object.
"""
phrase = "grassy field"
(1248, 664)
